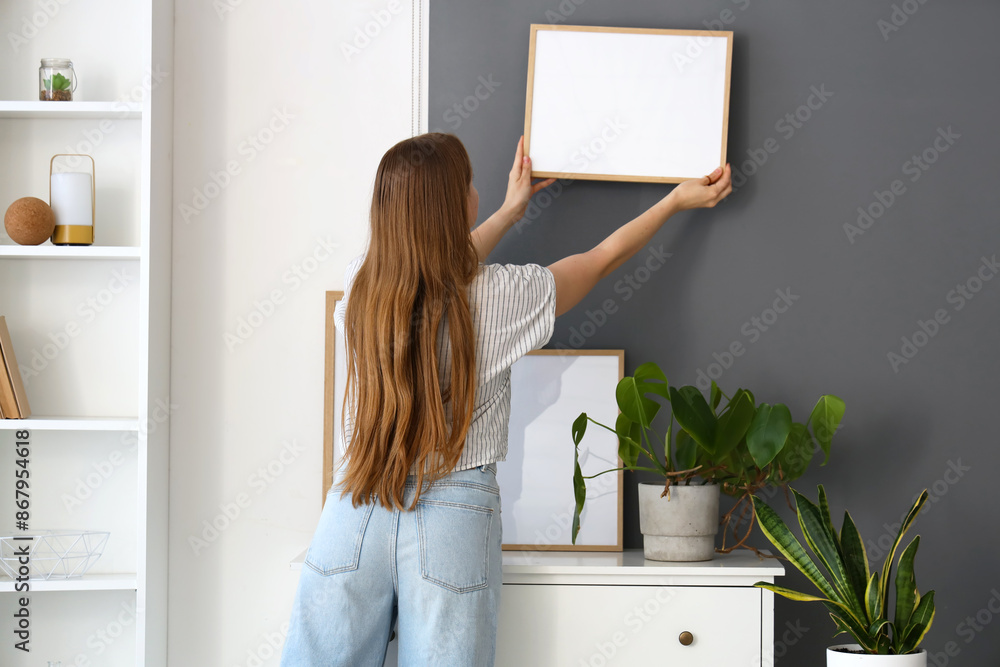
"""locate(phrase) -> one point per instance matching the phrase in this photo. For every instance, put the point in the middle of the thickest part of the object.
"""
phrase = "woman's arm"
(519, 191)
(577, 274)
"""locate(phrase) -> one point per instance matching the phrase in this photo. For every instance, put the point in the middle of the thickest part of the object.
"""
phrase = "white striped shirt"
(513, 312)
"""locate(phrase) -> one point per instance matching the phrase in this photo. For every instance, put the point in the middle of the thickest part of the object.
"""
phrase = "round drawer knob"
(686, 638)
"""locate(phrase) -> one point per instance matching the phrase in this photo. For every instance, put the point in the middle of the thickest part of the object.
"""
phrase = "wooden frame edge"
(329, 370)
(535, 27)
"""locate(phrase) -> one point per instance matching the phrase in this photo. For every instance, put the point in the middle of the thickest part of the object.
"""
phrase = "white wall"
(275, 71)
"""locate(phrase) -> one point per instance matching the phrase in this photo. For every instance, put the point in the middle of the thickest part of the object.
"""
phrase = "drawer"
(597, 626)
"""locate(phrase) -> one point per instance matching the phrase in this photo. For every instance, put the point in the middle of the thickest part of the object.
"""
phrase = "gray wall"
(929, 422)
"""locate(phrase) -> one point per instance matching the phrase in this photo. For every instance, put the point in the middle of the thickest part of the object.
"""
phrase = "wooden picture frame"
(605, 103)
(331, 412)
(539, 472)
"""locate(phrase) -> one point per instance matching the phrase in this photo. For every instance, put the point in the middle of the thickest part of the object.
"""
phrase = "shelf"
(112, 110)
(43, 423)
(68, 252)
(88, 582)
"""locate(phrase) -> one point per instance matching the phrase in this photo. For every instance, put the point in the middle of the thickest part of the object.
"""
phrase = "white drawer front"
(597, 626)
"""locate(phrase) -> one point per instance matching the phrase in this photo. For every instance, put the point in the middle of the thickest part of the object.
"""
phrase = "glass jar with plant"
(856, 597)
(731, 442)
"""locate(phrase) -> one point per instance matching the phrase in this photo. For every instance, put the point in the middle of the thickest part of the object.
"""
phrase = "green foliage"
(57, 82)
(734, 442)
(857, 599)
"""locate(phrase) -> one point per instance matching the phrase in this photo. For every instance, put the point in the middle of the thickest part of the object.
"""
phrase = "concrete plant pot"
(682, 528)
(835, 658)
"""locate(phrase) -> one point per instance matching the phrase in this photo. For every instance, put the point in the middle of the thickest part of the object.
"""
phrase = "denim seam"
(357, 550)
(392, 551)
(467, 485)
(423, 548)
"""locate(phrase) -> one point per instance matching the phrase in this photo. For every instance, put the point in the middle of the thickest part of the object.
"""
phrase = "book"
(8, 402)
(11, 378)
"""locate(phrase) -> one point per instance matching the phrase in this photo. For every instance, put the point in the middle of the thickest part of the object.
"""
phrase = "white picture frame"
(627, 104)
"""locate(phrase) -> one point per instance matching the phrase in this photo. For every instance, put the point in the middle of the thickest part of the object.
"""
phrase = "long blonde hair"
(417, 270)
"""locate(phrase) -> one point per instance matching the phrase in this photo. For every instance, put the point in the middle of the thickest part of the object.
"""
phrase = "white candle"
(71, 199)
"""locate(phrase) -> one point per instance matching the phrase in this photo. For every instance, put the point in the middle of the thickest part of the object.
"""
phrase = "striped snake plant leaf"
(775, 530)
(789, 593)
(847, 623)
(824, 508)
(887, 568)
(906, 588)
(920, 623)
(873, 600)
(823, 543)
(855, 556)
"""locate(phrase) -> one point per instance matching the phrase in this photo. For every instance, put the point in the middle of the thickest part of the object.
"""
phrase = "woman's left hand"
(519, 185)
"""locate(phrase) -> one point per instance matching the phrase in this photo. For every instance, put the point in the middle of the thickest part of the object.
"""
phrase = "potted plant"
(857, 599)
(732, 444)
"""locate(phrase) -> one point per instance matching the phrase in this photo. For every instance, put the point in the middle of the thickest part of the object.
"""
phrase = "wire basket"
(52, 554)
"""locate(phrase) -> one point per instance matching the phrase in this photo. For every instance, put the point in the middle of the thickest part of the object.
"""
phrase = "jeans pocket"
(454, 544)
(336, 545)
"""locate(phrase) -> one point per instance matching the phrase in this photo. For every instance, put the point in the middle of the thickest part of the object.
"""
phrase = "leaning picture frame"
(627, 104)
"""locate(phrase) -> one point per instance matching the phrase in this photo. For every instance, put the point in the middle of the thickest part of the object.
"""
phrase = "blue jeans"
(434, 571)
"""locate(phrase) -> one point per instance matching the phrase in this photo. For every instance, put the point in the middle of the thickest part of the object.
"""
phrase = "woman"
(411, 533)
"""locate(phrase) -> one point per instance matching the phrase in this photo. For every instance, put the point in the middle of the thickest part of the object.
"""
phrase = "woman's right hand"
(703, 192)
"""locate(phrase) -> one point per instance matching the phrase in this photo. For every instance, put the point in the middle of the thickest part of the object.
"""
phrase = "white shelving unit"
(118, 361)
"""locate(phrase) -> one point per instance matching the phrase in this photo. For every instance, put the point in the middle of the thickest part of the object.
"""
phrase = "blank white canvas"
(628, 104)
(548, 392)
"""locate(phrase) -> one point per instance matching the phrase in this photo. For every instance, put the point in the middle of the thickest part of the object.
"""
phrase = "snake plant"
(857, 599)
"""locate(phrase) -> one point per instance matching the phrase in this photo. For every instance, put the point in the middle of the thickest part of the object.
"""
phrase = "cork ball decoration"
(29, 221)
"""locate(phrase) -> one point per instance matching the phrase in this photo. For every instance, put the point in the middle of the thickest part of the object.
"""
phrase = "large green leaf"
(825, 419)
(920, 623)
(733, 424)
(631, 393)
(693, 414)
(794, 457)
(855, 556)
(715, 395)
(775, 530)
(823, 542)
(686, 451)
(768, 432)
(911, 516)
(629, 436)
(906, 589)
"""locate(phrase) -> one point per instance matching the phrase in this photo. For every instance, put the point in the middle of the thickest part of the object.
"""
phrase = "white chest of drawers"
(602, 609)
